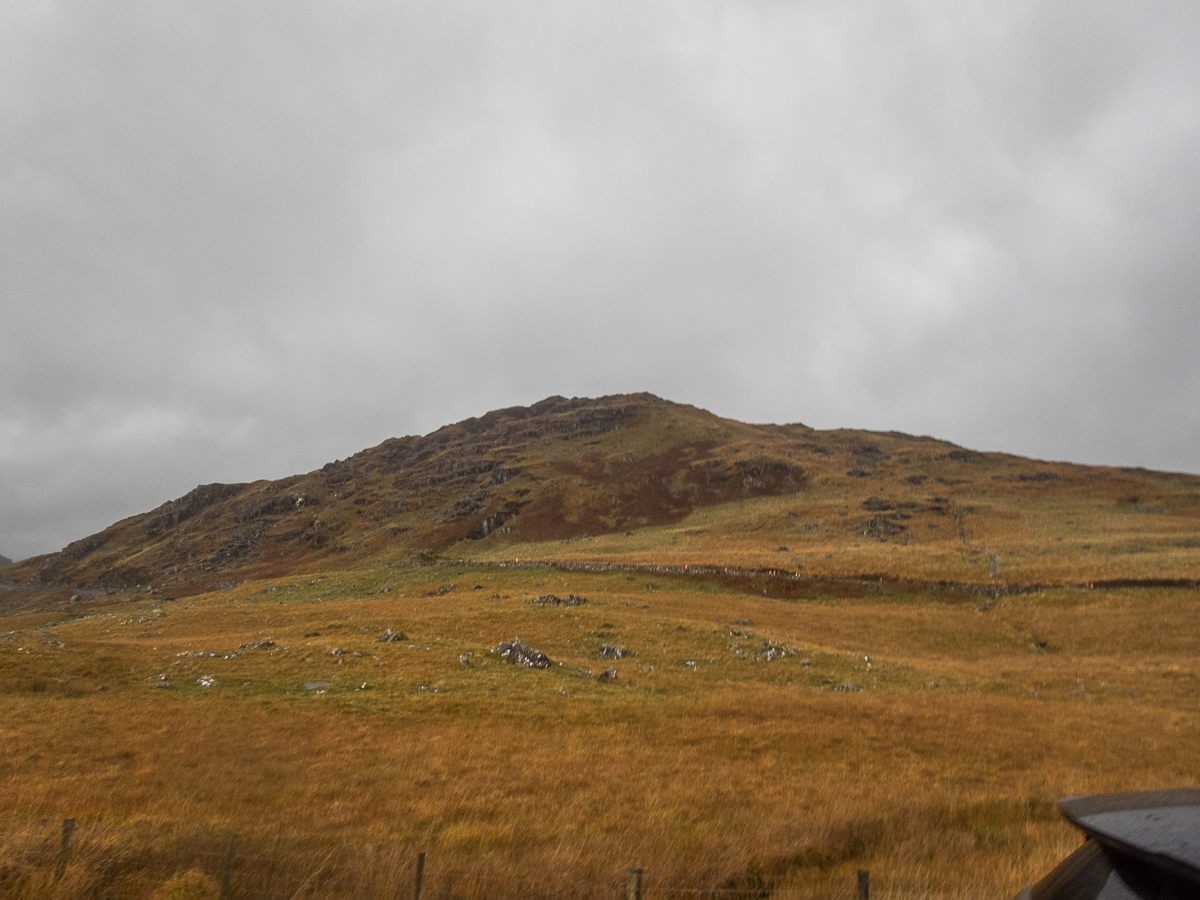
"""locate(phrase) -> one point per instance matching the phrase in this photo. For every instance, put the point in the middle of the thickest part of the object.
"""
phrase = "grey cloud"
(239, 240)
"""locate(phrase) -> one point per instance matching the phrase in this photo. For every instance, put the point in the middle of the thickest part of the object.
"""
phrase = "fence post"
(420, 874)
(230, 854)
(633, 884)
(61, 868)
(864, 885)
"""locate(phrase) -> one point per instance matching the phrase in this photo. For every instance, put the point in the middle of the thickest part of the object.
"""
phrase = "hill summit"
(638, 479)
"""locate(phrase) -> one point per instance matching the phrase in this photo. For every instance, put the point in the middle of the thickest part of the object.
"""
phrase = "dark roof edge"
(1079, 810)
(1075, 808)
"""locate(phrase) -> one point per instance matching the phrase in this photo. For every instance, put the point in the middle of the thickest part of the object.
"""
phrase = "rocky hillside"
(567, 469)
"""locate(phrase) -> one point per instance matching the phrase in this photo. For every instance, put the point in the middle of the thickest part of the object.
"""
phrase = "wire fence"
(155, 861)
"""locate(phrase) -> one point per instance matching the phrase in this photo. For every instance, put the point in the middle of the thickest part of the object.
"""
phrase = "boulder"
(771, 652)
(520, 653)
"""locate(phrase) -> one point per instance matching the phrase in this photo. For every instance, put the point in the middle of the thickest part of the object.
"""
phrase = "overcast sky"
(241, 239)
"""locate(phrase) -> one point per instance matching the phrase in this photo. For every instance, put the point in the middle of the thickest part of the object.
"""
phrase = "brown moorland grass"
(1035, 536)
(703, 763)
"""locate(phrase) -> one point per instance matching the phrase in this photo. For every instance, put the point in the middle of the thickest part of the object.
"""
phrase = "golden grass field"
(1020, 630)
(704, 764)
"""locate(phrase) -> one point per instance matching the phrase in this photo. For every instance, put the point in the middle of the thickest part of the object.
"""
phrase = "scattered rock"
(315, 685)
(205, 681)
(610, 651)
(882, 528)
(520, 653)
(357, 654)
(335, 652)
(608, 676)
(806, 663)
(441, 591)
(743, 621)
(264, 644)
(390, 635)
(551, 600)
(847, 687)
(770, 652)
(464, 660)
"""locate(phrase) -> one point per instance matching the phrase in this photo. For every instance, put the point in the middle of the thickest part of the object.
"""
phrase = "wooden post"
(420, 874)
(633, 884)
(864, 885)
(61, 868)
(230, 854)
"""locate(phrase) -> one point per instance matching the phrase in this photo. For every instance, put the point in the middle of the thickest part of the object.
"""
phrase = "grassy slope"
(938, 776)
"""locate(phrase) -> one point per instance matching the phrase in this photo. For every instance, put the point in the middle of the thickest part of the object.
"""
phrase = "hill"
(637, 479)
(4, 561)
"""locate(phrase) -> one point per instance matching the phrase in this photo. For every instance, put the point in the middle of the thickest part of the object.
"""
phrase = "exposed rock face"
(610, 651)
(468, 480)
(520, 653)
(390, 635)
(173, 512)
